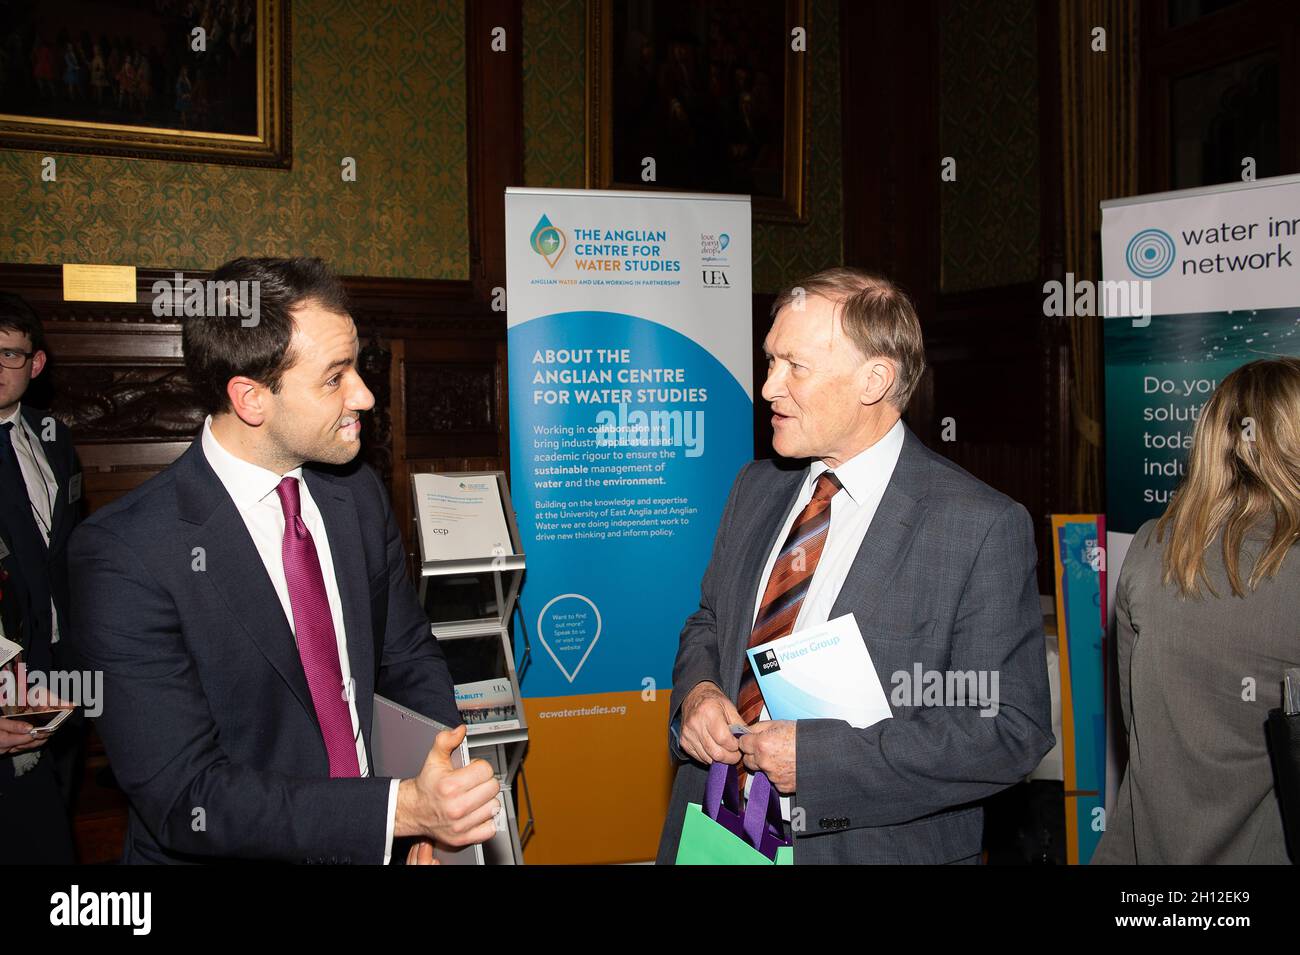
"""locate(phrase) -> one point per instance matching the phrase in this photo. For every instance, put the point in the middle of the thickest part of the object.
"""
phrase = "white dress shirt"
(253, 489)
(864, 478)
(42, 488)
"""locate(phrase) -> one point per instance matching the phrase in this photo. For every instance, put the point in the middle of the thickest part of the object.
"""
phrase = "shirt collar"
(869, 469)
(17, 415)
(245, 482)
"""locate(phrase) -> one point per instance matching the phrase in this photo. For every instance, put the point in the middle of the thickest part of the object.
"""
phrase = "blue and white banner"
(1217, 273)
(631, 410)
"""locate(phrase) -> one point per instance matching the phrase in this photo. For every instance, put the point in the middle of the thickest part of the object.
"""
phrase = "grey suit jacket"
(945, 577)
(1198, 788)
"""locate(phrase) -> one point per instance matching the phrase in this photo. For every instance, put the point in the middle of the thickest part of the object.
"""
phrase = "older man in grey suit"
(937, 568)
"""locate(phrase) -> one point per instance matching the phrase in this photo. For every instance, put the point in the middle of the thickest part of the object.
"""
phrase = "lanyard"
(44, 517)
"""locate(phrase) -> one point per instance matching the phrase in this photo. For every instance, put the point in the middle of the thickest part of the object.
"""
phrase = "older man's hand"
(769, 747)
(707, 717)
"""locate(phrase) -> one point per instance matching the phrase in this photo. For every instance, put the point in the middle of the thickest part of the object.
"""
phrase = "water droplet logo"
(548, 241)
(724, 240)
(569, 626)
(1150, 253)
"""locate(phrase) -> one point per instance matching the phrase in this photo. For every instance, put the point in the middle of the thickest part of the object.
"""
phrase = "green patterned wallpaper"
(784, 254)
(555, 48)
(989, 231)
(555, 133)
(382, 81)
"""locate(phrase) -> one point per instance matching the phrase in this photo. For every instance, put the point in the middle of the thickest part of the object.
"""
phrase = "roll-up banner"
(631, 396)
(1197, 283)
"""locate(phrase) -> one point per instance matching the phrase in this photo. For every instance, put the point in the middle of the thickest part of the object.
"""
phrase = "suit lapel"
(889, 535)
(339, 513)
(756, 547)
(235, 569)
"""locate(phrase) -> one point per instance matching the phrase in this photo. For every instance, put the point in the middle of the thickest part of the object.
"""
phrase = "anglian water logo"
(548, 241)
(1150, 253)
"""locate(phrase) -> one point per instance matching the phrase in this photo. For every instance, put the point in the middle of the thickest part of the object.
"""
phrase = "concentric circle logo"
(1150, 253)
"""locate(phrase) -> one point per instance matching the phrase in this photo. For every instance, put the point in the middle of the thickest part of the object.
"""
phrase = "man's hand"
(707, 718)
(769, 748)
(455, 807)
(16, 737)
(421, 854)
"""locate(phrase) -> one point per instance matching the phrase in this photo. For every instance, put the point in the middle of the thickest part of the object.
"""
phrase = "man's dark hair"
(219, 347)
(16, 315)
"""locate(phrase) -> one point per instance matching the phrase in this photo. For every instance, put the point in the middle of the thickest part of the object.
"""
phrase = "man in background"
(40, 504)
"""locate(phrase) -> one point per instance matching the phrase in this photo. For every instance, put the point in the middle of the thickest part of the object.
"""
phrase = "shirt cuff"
(392, 819)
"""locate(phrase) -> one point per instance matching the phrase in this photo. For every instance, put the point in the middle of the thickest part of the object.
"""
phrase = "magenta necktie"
(314, 627)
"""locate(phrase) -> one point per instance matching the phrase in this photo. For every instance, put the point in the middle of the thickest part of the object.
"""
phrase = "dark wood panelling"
(496, 133)
(1233, 33)
(996, 364)
(890, 136)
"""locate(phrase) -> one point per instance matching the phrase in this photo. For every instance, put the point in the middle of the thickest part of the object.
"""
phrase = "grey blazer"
(1198, 787)
(945, 578)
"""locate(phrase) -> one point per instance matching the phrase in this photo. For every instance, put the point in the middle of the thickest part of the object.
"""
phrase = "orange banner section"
(599, 775)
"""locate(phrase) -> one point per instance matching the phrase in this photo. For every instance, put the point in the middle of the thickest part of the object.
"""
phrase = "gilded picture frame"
(715, 94)
(124, 78)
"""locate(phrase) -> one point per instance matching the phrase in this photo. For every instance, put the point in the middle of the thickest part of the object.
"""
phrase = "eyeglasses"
(13, 358)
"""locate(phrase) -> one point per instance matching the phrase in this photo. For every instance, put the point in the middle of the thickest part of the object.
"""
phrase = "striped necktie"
(786, 588)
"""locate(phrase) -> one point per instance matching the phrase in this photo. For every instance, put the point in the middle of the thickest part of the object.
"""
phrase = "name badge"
(74, 489)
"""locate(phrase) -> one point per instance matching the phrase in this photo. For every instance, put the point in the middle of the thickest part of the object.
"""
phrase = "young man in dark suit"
(246, 605)
(40, 503)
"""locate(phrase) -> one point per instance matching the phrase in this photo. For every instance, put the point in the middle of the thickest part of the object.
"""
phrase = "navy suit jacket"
(207, 718)
(945, 579)
(44, 574)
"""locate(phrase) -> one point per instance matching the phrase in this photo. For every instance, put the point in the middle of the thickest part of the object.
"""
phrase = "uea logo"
(548, 241)
(1150, 253)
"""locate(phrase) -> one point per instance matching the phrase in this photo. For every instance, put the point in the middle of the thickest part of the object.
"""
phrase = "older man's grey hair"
(878, 318)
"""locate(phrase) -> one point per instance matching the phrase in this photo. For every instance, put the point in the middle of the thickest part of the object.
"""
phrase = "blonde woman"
(1208, 611)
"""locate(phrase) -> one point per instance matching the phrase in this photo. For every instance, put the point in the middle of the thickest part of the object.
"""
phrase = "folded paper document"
(822, 672)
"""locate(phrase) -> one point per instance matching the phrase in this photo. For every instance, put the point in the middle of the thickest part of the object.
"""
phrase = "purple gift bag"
(760, 822)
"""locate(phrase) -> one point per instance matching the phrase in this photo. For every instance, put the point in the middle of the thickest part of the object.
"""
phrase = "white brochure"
(822, 672)
(461, 517)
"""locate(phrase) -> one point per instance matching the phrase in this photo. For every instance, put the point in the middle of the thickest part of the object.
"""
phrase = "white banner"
(1223, 267)
(631, 411)
(1206, 250)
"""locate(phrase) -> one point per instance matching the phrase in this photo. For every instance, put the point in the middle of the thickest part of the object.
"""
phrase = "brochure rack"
(468, 593)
